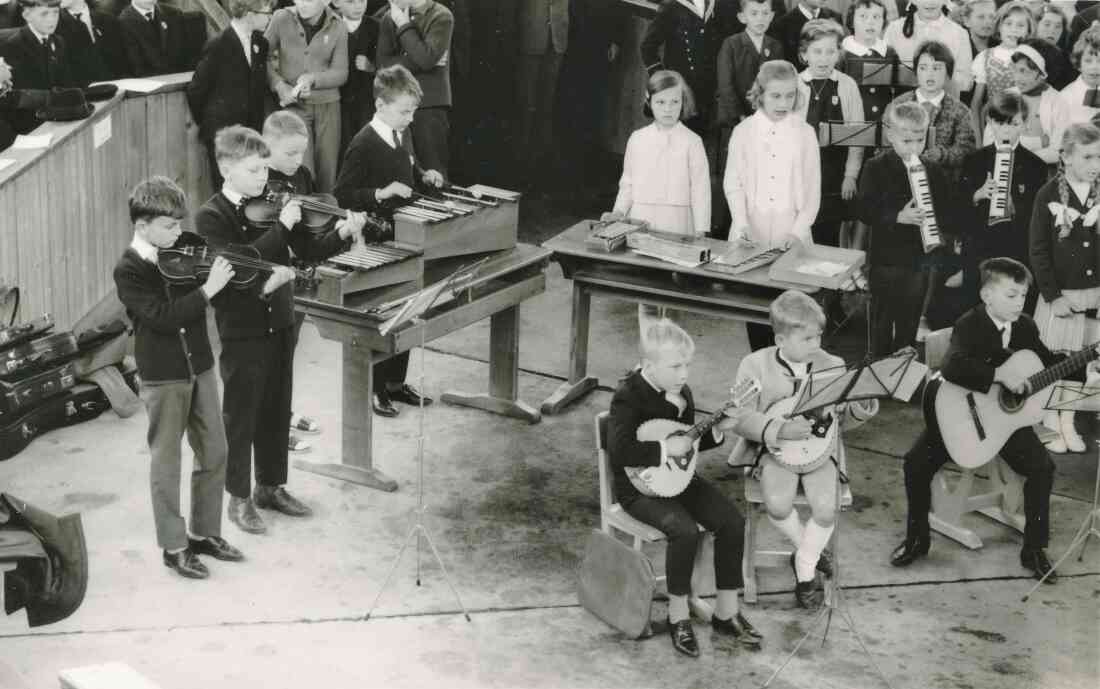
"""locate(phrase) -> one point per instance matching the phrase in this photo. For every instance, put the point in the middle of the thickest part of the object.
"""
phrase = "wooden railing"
(64, 219)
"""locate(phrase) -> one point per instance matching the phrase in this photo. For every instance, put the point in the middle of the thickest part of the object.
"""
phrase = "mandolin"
(675, 473)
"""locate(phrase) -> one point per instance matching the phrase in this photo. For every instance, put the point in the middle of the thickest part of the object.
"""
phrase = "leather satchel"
(616, 583)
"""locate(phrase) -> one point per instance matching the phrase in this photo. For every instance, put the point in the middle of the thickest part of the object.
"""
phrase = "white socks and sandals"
(810, 542)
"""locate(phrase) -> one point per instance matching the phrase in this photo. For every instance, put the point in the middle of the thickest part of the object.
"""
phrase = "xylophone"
(458, 221)
(366, 267)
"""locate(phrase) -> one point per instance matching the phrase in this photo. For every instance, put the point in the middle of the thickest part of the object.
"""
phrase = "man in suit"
(153, 37)
(37, 56)
(543, 30)
(983, 340)
(230, 82)
(357, 95)
(94, 40)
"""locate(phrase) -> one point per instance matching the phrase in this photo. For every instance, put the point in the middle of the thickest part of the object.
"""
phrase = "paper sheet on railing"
(26, 142)
(136, 85)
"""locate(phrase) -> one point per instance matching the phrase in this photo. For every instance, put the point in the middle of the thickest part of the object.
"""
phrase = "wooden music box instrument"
(461, 223)
(679, 249)
(366, 267)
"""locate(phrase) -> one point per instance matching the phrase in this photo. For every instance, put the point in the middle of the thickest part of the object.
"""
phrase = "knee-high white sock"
(814, 539)
(677, 608)
(727, 604)
(790, 526)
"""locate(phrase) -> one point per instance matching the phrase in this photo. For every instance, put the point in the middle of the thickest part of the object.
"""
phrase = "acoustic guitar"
(675, 473)
(975, 425)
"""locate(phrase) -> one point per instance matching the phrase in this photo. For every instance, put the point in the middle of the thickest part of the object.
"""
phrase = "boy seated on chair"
(782, 369)
(658, 390)
(982, 341)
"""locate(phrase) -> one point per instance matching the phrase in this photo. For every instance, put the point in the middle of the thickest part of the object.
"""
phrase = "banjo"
(675, 473)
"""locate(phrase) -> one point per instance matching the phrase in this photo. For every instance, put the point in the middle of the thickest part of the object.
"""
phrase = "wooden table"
(629, 276)
(502, 285)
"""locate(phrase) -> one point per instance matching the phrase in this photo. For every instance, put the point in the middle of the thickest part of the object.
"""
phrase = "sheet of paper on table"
(25, 142)
(825, 269)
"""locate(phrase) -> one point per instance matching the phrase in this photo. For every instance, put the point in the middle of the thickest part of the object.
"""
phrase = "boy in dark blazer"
(416, 34)
(982, 341)
(256, 330)
(788, 28)
(357, 95)
(739, 60)
(659, 391)
(230, 82)
(179, 387)
(37, 56)
(94, 42)
(378, 175)
(982, 239)
(154, 38)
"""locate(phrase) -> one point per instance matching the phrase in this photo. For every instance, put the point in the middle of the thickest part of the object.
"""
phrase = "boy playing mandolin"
(659, 391)
(781, 369)
(982, 342)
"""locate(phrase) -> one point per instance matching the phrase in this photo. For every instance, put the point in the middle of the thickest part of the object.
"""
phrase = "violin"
(319, 211)
(190, 259)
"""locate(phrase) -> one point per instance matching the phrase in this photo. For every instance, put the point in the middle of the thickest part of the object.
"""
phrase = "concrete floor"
(508, 506)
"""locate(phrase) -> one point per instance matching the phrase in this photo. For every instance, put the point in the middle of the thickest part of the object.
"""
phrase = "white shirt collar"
(353, 24)
(86, 10)
(938, 21)
(807, 77)
(42, 38)
(234, 197)
(246, 39)
(937, 101)
(800, 369)
(143, 248)
(384, 130)
(142, 12)
(807, 12)
(859, 50)
(1004, 326)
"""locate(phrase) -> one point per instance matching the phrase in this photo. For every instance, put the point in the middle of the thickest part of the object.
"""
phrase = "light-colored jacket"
(325, 57)
(851, 104)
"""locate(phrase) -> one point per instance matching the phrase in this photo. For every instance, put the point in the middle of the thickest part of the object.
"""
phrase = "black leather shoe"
(683, 638)
(739, 628)
(382, 405)
(186, 564)
(215, 547)
(276, 498)
(1036, 560)
(243, 513)
(807, 595)
(407, 394)
(910, 550)
(824, 564)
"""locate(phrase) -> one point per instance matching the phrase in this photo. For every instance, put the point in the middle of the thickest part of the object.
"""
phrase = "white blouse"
(773, 179)
(666, 180)
(1071, 110)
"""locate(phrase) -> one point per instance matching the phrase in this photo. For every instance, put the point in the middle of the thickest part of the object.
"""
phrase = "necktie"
(1006, 335)
(396, 140)
(1092, 98)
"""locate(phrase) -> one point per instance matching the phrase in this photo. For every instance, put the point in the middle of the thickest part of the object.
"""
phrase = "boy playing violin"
(256, 327)
(178, 385)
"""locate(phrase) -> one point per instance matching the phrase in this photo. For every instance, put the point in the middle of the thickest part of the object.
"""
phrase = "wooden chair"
(1003, 502)
(754, 558)
(613, 518)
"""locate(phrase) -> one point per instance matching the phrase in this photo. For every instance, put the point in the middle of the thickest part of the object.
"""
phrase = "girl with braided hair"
(1065, 255)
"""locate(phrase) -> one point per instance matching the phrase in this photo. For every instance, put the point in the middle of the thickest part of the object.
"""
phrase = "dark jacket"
(359, 87)
(12, 103)
(35, 67)
(245, 313)
(1070, 263)
(1010, 239)
(634, 403)
(788, 30)
(690, 46)
(738, 64)
(423, 46)
(170, 338)
(226, 90)
(100, 61)
(883, 191)
(975, 350)
(542, 26)
(157, 47)
(371, 164)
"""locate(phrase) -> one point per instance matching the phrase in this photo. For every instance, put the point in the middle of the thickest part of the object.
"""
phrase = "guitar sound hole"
(1010, 401)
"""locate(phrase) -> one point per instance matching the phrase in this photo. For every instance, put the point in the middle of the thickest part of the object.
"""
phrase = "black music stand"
(898, 376)
(1082, 398)
(412, 312)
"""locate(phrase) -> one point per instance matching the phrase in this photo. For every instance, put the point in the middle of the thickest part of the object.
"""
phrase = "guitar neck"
(1061, 369)
(702, 427)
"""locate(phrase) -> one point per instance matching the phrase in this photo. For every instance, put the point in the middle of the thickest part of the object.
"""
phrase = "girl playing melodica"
(992, 67)
(666, 180)
(1064, 256)
(773, 171)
